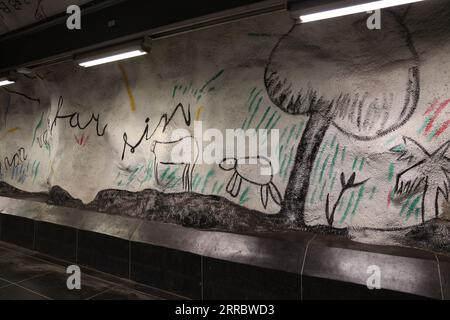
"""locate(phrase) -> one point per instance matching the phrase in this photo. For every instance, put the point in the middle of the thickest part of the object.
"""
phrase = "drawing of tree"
(338, 73)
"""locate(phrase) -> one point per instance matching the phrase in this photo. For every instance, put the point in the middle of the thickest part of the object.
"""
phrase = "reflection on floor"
(28, 275)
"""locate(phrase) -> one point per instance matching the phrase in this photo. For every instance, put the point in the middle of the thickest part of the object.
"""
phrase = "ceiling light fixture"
(6, 81)
(342, 8)
(111, 55)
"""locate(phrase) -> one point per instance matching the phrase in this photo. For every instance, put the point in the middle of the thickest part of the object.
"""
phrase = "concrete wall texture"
(363, 117)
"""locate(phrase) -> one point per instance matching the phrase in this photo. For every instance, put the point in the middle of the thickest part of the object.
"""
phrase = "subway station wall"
(363, 118)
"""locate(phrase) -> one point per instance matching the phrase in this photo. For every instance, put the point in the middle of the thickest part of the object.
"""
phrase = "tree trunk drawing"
(296, 193)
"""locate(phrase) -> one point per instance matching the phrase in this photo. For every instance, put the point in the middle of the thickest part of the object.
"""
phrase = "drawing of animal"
(182, 152)
(249, 169)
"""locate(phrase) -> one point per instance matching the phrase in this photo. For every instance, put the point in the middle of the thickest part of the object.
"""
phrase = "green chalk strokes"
(275, 123)
(253, 100)
(333, 142)
(347, 210)
(333, 181)
(209, 175)
(283, 133)
(361, 165)
(164, 174)
(405, 205)
(251, 95)
(344, 154)
(324, 166)
(372, 193)
(263, 118)
(399, 148)
(244, 196)
(322, 191)
(313, 196)
(318, 161)
(290, 134)
(413, 206)
(425, 124)
(300, 130)
(341, 204)
(391, 172)
(358, 199)
(219, 190)
(333, 161)
(255, 111)
(270, 120)
(355, 162)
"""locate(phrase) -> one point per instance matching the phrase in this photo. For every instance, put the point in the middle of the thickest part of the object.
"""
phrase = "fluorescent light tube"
(5, 82)
(112, 58)
(371, 6)
(111, 54)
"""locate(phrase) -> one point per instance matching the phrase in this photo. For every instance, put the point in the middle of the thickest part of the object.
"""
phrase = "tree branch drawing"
(366, 85)
(346, 185)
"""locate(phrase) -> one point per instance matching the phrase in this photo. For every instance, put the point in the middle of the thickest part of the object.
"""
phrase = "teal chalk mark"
(333, 181)
(313, 196)
(391, 172)
(197, 185)
(355, 163)
(219, 190)
(358, 199)
(405, 205)
(341, 204)
(213, 190)
(300, 130)
(270, 120)
(349, 205)
(283, 133)
(263, 118)
(244, 196)
(209, 175)
(344, 154)
(412, 207)
(333, 161)
(290, 134)
(255, 111)
(251, 95)
(388, 142)
(333, 142)
(322, 191)
(275, 123)
(372, 193)
(319, 160)
(399, 148)
(425, 124)
(253, 100)
(324, 166)
(361, 165)
(283, 163)
(174, 91)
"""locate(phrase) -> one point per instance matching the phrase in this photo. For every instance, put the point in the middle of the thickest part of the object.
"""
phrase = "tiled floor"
(28, 275)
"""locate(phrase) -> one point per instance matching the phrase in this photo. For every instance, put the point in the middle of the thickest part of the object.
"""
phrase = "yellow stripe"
(12, 130)
(199, 113)
(129, 91)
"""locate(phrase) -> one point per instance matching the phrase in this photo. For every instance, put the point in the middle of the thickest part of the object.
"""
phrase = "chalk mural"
(363, 118)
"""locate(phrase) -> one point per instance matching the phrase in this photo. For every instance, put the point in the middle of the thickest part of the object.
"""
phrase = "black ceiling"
(131, 17)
